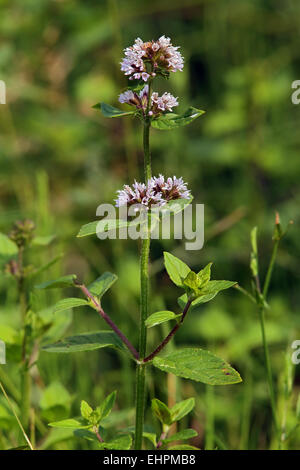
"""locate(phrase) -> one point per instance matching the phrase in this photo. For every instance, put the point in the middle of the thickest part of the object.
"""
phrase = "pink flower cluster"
(158, 191)
(161, 56)
(159, 104)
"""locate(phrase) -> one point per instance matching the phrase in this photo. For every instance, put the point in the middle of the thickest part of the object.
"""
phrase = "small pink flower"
(159, 104)
(158, 191)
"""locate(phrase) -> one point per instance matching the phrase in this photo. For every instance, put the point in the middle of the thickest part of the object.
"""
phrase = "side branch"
(170, 335)
(109, 321)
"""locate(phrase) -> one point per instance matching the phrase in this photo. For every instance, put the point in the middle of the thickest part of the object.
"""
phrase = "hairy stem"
(108, 320)
(144, 281)
(170, 335)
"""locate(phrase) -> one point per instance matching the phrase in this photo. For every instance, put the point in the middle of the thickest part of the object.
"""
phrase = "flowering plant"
(143, 62)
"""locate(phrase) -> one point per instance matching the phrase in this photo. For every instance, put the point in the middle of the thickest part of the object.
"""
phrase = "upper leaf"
(176, 268)
(64, 281)
(171, 121)
(102, 284)
(106, 406)
(182, 300)
(213, 287)
(110, 111)
(85, 409)
(199, 365)
(160, 317)
(204, 275)
(87, 342)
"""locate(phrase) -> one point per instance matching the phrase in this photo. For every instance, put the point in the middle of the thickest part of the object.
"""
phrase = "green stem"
(146, 139)
(268, 365)
(144, 279)
(270, 269)
(264, 340)
(210, 423)
(25, 396)
(25, 375)
(141, 368)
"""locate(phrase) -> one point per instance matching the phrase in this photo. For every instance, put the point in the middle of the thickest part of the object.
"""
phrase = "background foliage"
(60, 159)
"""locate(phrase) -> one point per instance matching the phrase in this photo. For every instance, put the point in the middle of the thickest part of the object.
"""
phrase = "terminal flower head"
(145, 59)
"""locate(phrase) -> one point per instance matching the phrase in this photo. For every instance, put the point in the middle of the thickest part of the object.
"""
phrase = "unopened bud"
(22, 232)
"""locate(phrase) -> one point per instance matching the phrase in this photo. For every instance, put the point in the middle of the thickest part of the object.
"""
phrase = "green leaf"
(110, 111)
(104, 225)
(204, 275)
(65, 281)
(182, 300)
(160, 317)
(66, 304)
(175, 206)
(181, 436)
(106, 406)
(191, 281)
(199, 365)
(182, 408)
(151, 436)
(176, 268)
(86, 342)
(161, 411)
(183, 447)
(72, 423)
(102, 284)
(213, 287)
(171, 121)
(85, 409)
(120, 443)
(86, 434)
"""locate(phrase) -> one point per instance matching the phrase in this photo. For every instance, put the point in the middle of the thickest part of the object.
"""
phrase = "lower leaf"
(199, 365)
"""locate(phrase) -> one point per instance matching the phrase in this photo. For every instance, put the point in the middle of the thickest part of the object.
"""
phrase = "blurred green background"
(60, 159)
